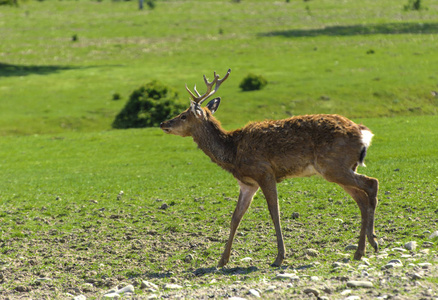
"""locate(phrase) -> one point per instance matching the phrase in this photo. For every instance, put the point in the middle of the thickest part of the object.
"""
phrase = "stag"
(261, 154)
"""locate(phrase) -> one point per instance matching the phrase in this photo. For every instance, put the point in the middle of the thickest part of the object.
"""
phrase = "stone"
(352, 298)
(22, 289)
(346, 292)
(311, 291)
(416, 276)
(412, 245)
(287, 276)
(351, 247)
(254, 293)
(127, 289)
(113, 290)
(424, 251)
(172, 286)
(307, 266)
(398, 249)
(346, 260)
(339, 265)
(366, 261)
(357, 283)
(328, 290)
(246, 259)
(87, 287)
(425, 265)
(396, 262)
(188, 258)
(148, 285)
(271, 288)
(80, 297)
(44, 279)
(434, 235)
(111, 295)
(312, 252)
(428, 244)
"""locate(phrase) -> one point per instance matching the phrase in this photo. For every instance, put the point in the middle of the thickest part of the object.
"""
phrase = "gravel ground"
(409, 271)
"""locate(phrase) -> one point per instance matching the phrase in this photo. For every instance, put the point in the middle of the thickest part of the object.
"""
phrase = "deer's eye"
(183, 117)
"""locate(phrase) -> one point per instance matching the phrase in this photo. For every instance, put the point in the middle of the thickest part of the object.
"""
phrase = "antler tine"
(200, 99)
(191, 94)
(209, 85)
(196, 91)
(219, 82)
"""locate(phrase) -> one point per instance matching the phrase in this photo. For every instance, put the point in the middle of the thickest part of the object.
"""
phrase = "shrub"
(9, 2)
(116, 96)
(413, 5)
(253, 82)
(148, 106)
(151, 4)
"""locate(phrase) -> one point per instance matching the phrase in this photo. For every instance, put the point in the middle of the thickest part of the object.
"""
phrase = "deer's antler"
(201, 98)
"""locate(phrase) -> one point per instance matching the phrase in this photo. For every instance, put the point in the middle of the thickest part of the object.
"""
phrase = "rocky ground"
(99, 253)
(409, 271)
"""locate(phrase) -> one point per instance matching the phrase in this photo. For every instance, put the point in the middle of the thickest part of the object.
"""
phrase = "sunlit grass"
(357, 59)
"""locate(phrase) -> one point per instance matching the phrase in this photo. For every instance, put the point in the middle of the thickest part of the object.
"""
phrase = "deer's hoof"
(222, 263)
(373, 241)
(277, 263)
(358, 255)
(376, 247)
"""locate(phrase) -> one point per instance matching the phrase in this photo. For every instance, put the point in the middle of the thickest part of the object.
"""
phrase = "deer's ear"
(213, 105)
(196, 110)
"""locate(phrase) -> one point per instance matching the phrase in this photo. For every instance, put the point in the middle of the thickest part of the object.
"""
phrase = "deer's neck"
(216, 142)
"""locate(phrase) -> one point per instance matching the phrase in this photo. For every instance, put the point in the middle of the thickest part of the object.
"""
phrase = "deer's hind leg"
(269, 189)
(363, 190)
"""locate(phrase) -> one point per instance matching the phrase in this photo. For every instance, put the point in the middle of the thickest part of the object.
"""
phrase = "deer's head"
(195, 115)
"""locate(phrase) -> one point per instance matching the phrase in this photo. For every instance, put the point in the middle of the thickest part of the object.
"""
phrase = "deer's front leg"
(245, 198)
(269, 188)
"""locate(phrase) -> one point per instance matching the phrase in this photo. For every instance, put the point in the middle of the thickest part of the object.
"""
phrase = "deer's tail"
(367, 136)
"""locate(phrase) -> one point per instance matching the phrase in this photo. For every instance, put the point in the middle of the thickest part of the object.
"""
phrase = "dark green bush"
(148, 106)
(151, 4)
(413, 5)
(253, 82)
(117, 96)
(9, 2)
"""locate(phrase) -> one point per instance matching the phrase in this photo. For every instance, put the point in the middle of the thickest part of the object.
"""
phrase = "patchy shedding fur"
(286, 147)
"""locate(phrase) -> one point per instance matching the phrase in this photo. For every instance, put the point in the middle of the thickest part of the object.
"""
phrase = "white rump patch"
(366, 137)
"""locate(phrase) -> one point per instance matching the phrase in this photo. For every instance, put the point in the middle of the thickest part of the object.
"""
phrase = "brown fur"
(264, 153)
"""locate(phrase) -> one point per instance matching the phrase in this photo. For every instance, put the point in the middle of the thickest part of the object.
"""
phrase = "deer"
(264, 153)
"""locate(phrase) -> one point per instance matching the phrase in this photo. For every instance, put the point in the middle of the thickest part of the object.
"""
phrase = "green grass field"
(63, 168)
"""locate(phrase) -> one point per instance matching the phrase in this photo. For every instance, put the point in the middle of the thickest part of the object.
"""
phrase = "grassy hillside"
(361, 59)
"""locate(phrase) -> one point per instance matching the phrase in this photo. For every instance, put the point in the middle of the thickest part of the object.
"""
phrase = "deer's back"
(294, 146)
